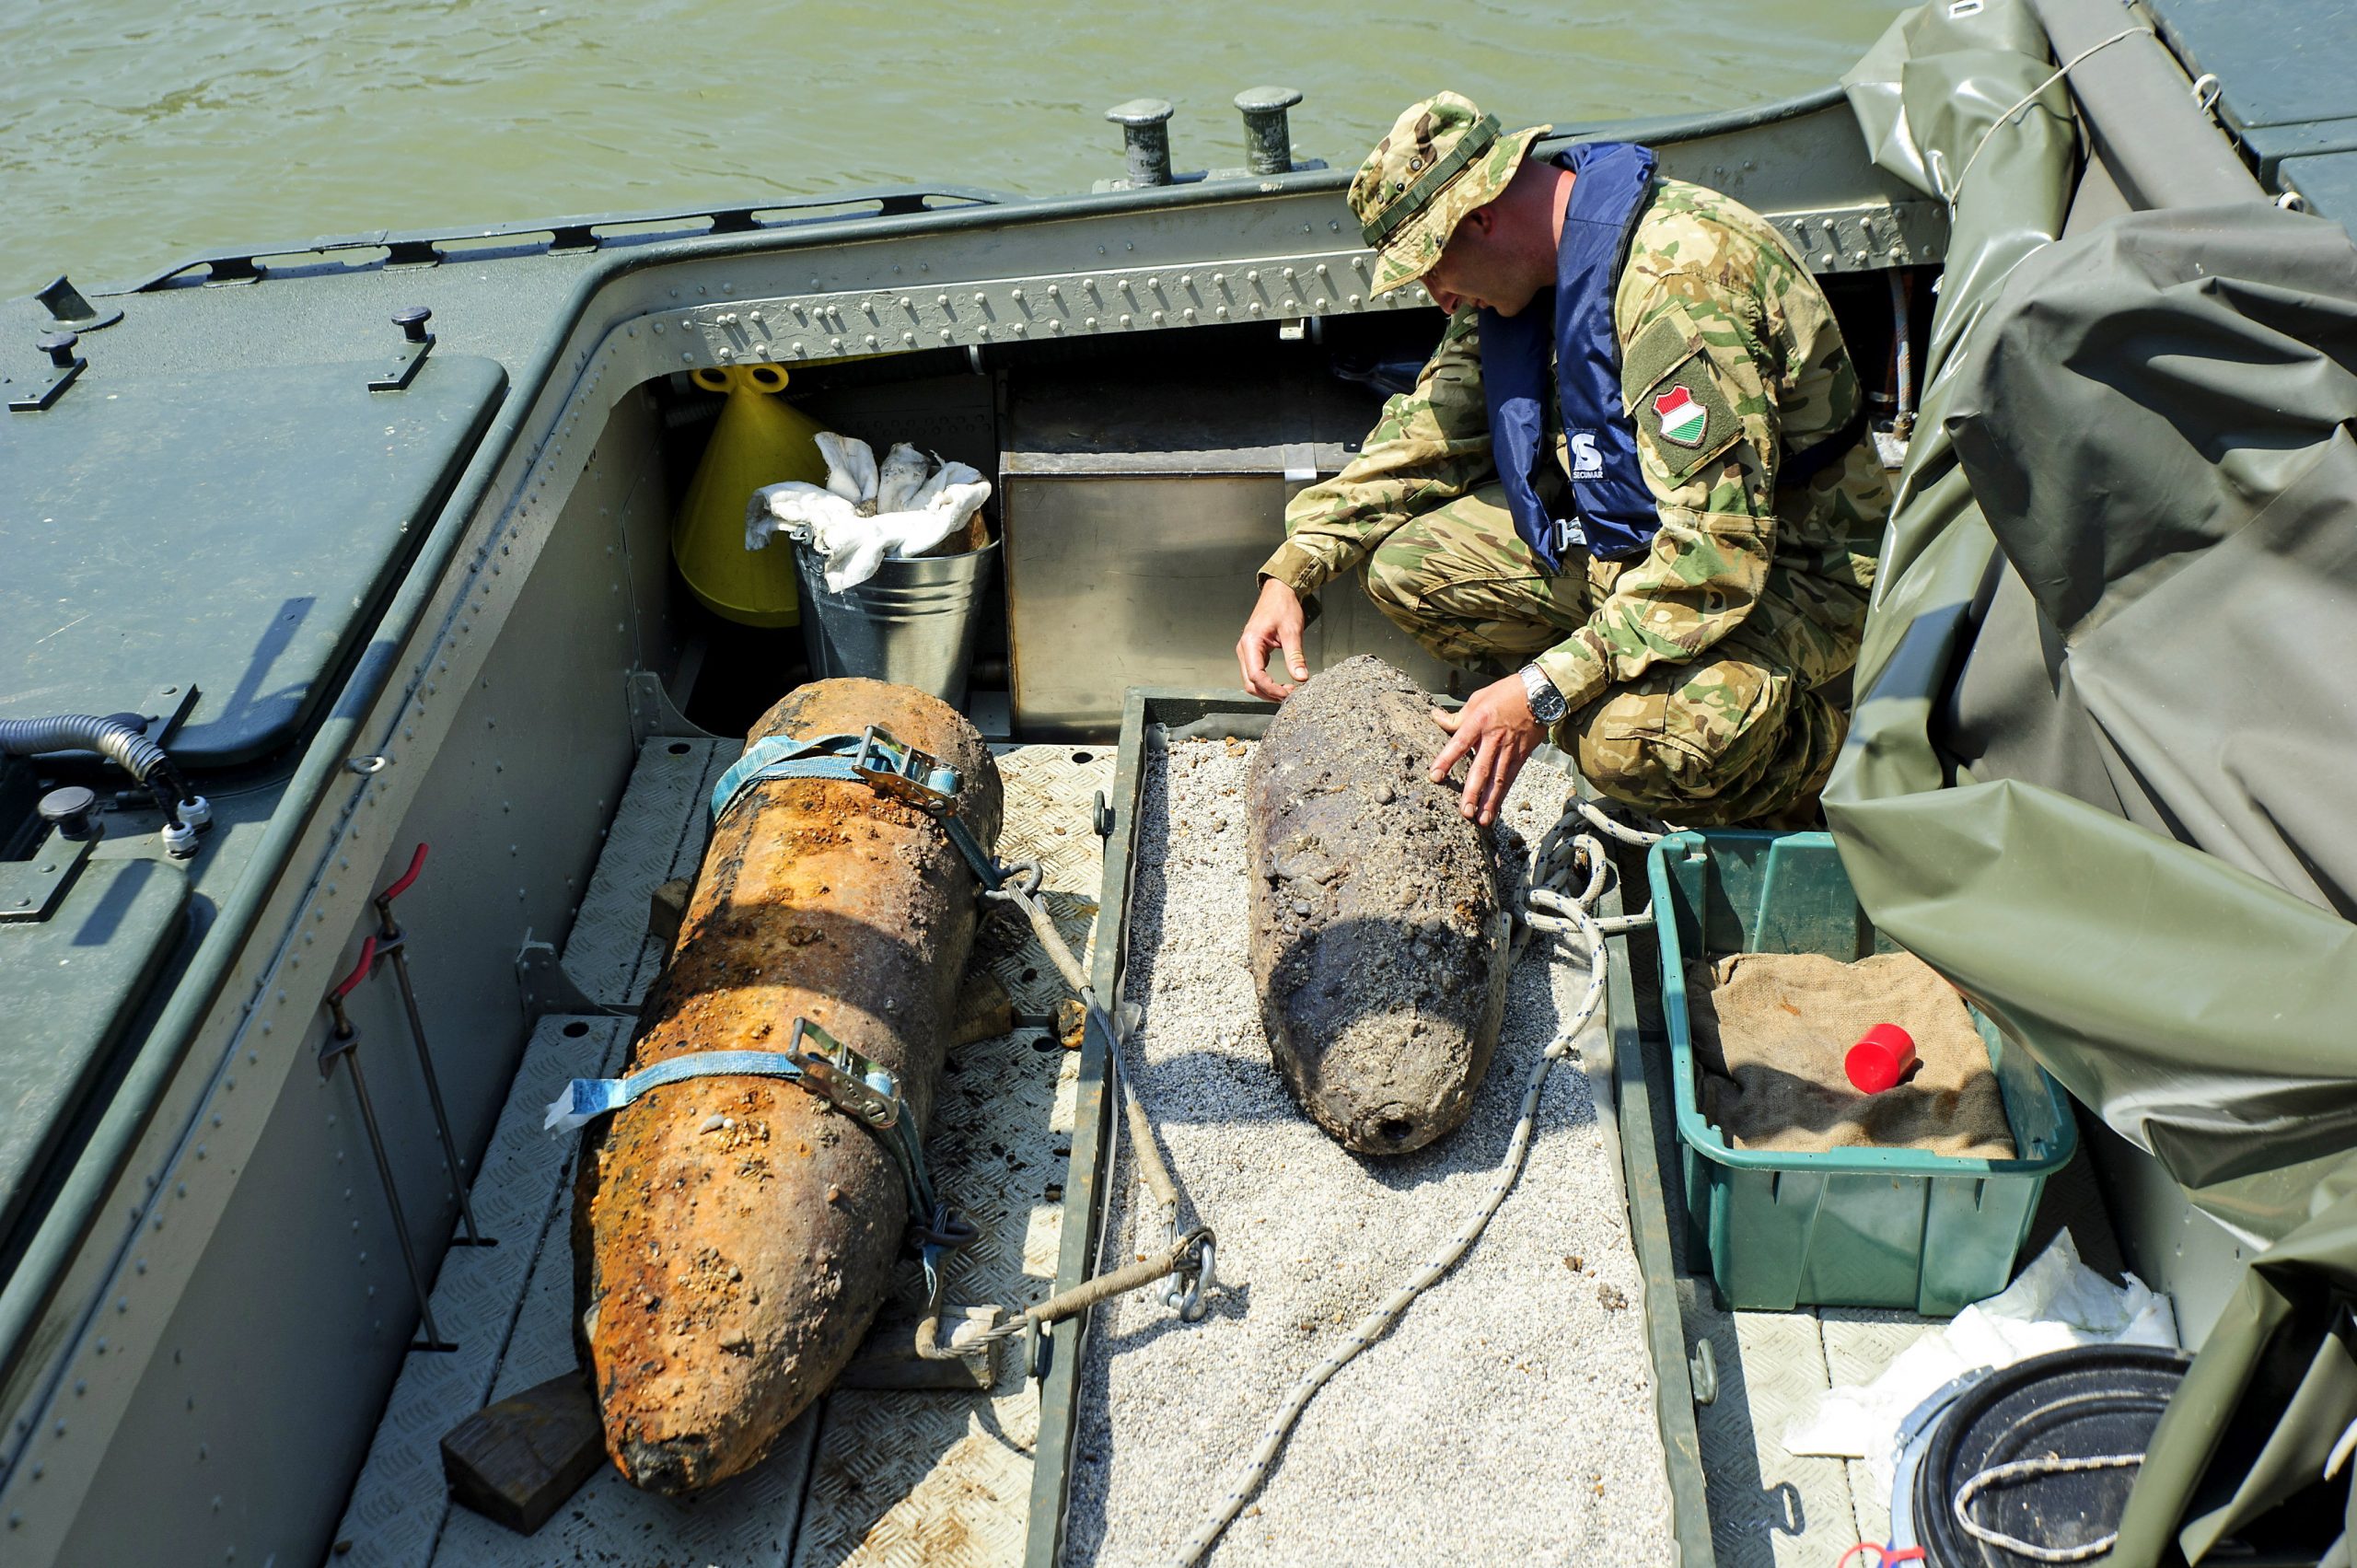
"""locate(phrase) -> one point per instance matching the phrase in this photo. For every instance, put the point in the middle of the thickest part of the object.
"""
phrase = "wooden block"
(984, 1010)
(515, 1462)
(665, 907)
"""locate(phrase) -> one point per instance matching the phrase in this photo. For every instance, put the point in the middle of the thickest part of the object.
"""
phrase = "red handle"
(368, 957)
(416, 865)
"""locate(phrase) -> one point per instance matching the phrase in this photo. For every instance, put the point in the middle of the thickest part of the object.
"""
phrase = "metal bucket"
(913, 624)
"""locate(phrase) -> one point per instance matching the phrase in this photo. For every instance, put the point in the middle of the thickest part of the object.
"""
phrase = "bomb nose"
(1390, 1130)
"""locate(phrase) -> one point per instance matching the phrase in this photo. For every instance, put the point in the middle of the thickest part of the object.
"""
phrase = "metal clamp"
(1195, 1278)
(844, 1079)
(344, 1041)
(393, 943)
(902, 771)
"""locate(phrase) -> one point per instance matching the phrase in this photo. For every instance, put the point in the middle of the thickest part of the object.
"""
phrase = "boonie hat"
(1442, 158)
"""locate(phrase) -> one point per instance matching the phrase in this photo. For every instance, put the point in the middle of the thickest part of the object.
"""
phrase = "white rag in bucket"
(865, 515)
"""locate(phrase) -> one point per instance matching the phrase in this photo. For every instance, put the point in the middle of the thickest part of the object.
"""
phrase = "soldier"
(1634, 467)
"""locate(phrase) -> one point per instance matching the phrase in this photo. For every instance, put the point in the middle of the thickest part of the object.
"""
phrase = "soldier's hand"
(1276, 623)
(1496, 730)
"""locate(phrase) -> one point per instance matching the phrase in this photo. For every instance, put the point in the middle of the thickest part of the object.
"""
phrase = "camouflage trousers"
(1736, 736)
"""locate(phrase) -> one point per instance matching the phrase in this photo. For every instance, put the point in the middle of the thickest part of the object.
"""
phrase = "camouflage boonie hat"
(1443, 158)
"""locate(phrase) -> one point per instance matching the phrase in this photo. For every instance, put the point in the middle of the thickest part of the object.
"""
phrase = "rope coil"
(2025, 1469)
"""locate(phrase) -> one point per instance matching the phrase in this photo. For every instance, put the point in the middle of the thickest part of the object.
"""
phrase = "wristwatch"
(1547, 704)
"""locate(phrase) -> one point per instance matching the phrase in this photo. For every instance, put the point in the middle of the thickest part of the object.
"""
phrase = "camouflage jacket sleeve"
(1431, 447)
(1699, 361)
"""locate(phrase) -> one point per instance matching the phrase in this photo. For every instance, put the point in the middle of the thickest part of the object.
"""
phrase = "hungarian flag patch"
(1682, 419)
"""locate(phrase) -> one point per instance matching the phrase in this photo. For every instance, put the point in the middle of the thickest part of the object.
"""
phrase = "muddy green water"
(135, 132)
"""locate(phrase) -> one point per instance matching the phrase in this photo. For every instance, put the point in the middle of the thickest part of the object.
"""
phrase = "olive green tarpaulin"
(2103, 771)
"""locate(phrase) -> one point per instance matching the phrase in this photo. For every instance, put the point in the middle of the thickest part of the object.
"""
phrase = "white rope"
(1614, 828)
(1547, 906)
(1952, 191)
(1559, 857)
(2023, 1470)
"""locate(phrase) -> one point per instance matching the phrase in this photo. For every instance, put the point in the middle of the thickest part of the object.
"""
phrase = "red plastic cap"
(1884, 1055)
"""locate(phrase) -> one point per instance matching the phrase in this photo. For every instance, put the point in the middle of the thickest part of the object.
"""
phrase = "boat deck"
(874, 1477)
(867, 1476)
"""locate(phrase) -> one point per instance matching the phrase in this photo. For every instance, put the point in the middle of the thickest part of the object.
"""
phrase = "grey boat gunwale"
(582, 327)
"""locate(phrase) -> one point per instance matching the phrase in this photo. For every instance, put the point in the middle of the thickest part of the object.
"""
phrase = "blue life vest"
(1612, 184)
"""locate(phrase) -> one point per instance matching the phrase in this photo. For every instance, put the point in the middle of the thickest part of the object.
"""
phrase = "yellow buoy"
(760, 439)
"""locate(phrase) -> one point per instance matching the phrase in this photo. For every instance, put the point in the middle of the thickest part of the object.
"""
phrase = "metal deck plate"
(1769, 1508)
(944, 1479)
(1860, 1345)
(400, 1506)
(867, 1477)
(658, 832)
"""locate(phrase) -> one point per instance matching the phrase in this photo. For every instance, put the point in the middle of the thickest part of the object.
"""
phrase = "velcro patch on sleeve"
(1674, 394)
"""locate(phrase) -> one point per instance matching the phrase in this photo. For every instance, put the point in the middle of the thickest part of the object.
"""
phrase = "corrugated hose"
(120, 740)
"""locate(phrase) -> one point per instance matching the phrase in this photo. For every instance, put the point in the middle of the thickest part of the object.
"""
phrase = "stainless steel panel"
(1121, 580)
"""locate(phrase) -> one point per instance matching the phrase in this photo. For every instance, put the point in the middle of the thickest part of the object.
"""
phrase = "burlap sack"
(1771, 1030)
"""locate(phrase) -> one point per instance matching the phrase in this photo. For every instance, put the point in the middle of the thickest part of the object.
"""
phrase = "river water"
(136, 131)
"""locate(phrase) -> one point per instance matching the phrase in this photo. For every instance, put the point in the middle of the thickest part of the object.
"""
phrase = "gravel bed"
(1508, 1417)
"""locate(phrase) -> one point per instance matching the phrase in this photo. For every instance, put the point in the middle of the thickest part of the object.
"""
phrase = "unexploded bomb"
(724, 1277)
(1379, 934)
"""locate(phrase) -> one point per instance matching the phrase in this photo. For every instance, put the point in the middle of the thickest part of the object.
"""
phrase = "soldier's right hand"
(1276, 623)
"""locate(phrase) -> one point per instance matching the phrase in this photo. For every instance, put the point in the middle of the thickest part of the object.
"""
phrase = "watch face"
(1546, 703)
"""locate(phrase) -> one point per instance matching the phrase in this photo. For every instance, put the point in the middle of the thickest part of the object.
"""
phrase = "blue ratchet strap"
(586, 1099)
(874, 758)
(984, 867)
(864, 1089)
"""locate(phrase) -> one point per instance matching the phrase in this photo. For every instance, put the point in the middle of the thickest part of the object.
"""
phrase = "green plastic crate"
(1847, 1227)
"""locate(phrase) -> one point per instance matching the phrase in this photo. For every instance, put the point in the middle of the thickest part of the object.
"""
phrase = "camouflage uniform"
(1703, 677)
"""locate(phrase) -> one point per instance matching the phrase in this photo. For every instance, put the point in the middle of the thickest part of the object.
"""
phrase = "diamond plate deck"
(399, 1504)
(657, 833)
(867, 1477)
(1769, 1508)
(1860, 1345)
(945, 1481)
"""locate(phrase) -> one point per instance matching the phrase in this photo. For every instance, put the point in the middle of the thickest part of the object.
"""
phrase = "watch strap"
(1547, 703)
